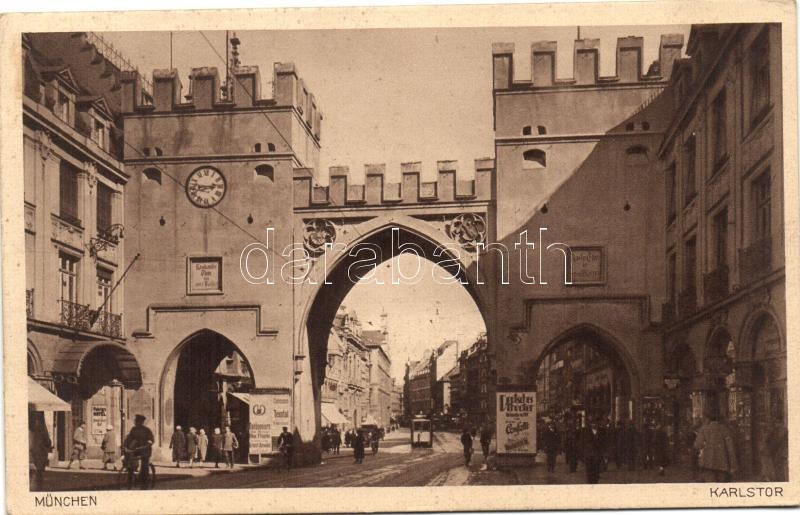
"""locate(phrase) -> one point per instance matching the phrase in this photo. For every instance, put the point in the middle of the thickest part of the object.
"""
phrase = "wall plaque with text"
(205, 275)
(587, 265)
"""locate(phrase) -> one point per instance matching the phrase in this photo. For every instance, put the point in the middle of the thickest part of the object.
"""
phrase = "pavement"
(395, 464)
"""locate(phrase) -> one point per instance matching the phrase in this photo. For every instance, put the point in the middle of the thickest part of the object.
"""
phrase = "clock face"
(205, 187)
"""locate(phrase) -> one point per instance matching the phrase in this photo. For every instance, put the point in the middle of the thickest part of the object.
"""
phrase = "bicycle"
(131, 465)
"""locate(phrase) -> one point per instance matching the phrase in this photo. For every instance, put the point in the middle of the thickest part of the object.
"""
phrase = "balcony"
(687, 303)
(84, 318)
(715, 284)
(29, 303)
(755, 260)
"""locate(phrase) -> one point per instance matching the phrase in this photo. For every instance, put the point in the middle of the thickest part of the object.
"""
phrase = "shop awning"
(244, 397)
(69, 361)
(40, 399)
(331, 415)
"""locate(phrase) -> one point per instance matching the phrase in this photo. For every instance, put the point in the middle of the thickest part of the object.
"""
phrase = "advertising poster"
(516, 422)
(99, 419)
(269, 413)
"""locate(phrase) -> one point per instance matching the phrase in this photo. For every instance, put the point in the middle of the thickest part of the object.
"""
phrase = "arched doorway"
(205, 386)
(768, 413)
(93, 377)
(582, 375)
(385, 241)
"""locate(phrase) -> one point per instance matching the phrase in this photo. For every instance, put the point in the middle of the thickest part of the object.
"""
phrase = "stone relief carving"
(45, 144)
(317, 233)
(468, 229)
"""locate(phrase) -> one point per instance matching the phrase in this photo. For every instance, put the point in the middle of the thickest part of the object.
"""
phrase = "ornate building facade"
(74, 187)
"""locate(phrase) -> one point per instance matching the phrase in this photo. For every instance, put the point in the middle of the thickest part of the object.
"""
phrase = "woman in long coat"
(202, 444)
(191, 446)
(178, 445)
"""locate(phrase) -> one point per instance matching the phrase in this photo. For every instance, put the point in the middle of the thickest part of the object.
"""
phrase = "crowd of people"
(357, 439)
(193, 446)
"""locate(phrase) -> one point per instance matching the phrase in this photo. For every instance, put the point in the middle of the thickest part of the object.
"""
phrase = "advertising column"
(269, 414)
(516, 425)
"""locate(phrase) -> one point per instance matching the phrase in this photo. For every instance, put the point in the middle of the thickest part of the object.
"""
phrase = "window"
(104, 220)
(759, 77)
(690, 264)
(719, 137)
(672, 278)
(541, 129)
(62, 107)
(720, 223)
(257, 147)
(534, 158)
(104, 283)
(68, 193)
(99, 134)
(265, 171)
(761, 206)
(271, 147)
(526, 131)
(671, 190)
(689, 157)
(68, 270)
(636, 156)
(152, 174)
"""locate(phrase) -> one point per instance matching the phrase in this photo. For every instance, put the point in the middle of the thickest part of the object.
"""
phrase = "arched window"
(645, 126)
(257, 147)
(265, 172)
(541, 129)
(534, 158)
(270, 147)
(153, 174)
(636, 156)
(629, 126)
(158, 151)
(526, 131)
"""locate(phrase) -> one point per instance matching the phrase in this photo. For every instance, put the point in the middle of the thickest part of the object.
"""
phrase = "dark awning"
(70, 360)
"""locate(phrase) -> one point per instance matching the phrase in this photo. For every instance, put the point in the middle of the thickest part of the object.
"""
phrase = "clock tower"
(210, 173)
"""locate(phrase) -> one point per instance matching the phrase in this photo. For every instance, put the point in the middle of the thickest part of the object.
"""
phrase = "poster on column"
(269, 413)
(516, 422)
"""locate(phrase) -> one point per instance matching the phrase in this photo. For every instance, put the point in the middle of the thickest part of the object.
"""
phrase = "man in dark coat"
(337, 441)
(191, 446)
(39, 446)
(592, 445)
(551, 444)
(486, 441)
(571, 445)
(286, 445)
(660, 448)
(632, 447)
(358, 446)
(178, 445)
(217, 442)
(466, 442)
(621, 444)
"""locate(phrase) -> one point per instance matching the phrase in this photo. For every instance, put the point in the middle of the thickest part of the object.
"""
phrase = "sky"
(392, 96)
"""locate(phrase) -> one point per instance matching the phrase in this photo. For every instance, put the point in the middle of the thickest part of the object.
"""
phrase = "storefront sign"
(99, 419)
(205, 275)
(516, 422)
(269, 414)
(586, 265)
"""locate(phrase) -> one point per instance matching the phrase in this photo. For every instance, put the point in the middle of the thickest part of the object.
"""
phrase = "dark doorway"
(210, 369)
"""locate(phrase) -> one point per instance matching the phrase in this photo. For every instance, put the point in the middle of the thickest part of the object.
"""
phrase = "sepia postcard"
(433, 258)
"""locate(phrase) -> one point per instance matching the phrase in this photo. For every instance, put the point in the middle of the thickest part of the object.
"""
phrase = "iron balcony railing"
(755, 260)
(84, 318)
(715, 284)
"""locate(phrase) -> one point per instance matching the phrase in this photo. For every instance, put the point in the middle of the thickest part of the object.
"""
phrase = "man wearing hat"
(109, 447)
(140, 441)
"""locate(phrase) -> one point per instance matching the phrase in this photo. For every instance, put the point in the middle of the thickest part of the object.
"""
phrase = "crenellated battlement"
(586, 63)
(207, 92)
(378, 190)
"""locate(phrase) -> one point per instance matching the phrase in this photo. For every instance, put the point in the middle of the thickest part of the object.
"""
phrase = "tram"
(421, 432)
